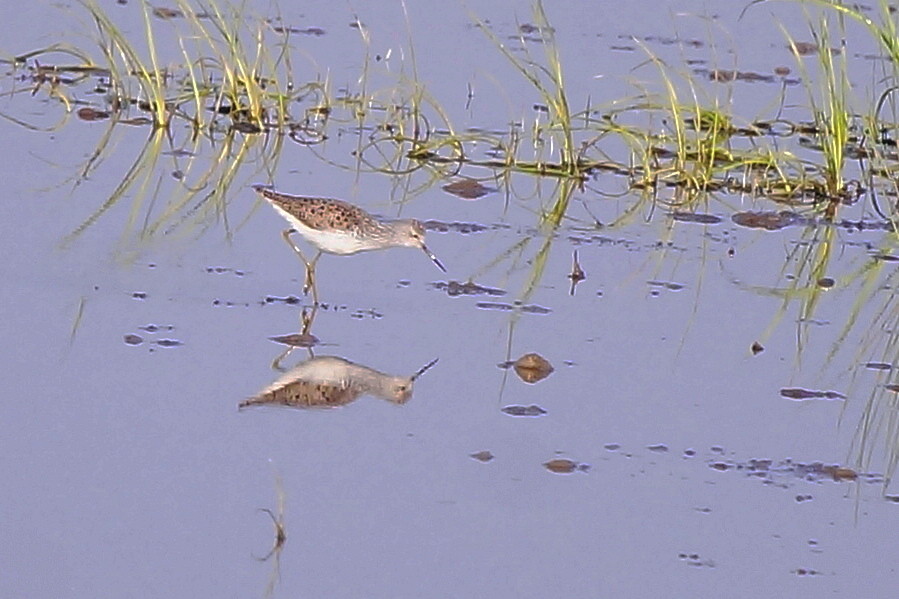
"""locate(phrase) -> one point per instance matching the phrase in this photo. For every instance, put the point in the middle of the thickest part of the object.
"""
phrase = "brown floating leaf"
(771, 221)
(840, 473)
(565, 466)
(92, 114)
(532, 368)
(133, 339)
(467, 189)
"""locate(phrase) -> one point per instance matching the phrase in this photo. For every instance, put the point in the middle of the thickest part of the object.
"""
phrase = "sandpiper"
(338, 227)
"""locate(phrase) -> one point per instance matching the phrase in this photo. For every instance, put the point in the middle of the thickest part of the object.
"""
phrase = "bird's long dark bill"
(434, 258)
(424, 368)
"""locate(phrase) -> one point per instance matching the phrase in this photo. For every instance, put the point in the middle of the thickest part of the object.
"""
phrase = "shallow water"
(130, 470)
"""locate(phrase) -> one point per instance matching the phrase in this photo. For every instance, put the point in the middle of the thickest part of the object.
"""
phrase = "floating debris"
(532, 368)
(727, 75)
(675, 41)
(577, 273)
(464, 228)
(246, 127)
(155, 328)
(482, 456)
(693, 559)
(289, 300)
(670, 286)
(169, 343)
(839, 473)
(800, 394)
(766, 470)
(369, 313)
(133, 339)
(878, 366)
(229, 303)
(529, 309)
(805, 572)
(565, 466)
(296, 339)
(772, 221)
(756, 348)
(467, 189)
(694, 217)
(165, 13)
(528, 28)
(92, 114)
(455, 289)
(220, 270)
(808, 48)
(531, 410)
(314, 31)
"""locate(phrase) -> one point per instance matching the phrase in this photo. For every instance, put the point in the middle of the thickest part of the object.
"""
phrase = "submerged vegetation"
(231, 83)
(220, 93)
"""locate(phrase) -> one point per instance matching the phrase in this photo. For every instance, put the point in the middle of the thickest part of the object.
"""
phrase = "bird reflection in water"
(329, 381)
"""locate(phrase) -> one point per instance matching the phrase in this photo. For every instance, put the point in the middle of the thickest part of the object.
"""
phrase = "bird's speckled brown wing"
(319, 213)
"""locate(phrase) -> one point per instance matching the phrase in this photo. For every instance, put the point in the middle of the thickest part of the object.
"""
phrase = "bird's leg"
(286, 235)
(309, 281)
